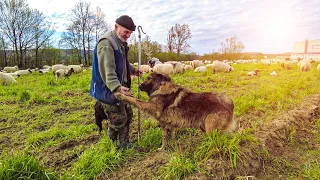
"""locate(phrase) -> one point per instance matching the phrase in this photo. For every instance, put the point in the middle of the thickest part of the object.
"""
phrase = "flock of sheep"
(9, 74)
(172, 67)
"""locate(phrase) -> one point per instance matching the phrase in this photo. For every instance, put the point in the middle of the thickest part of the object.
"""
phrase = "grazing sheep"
(44, 71)
(163, 68)
(9, 69)
(177, 67)
(303, 61)
(62, 72)
(154, 61)
(209, 65)
(196, 63)
(15, 75)
(201, 69)
(305, 66)
(273, 73)
(47, 67)
(6, 79)
(24, 72)
(286, 65)
(59, 66)
(219, 66)
(188, 67)
(266, 62)
(318, 67)
(77, 68)
(145, 68)
(253, 73)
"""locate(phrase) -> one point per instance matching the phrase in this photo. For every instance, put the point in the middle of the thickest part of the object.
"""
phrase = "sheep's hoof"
(118, 96)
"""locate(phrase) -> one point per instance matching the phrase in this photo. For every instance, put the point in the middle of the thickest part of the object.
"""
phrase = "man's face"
(122, 32)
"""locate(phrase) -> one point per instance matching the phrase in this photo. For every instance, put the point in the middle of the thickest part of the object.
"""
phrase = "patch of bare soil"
(147, 168)
(275, 135)
(57, 158)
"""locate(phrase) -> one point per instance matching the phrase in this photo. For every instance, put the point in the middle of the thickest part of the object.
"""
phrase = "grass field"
(47, 131)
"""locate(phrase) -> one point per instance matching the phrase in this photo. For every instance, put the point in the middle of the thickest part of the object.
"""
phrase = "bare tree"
(81, 14)
(183, 34)
(11, 13)
(231, 47)
(43, 31)
(72, 39)
(100, 24)
(170, 39)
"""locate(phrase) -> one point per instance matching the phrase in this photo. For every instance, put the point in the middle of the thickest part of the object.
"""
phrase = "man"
(111, 73)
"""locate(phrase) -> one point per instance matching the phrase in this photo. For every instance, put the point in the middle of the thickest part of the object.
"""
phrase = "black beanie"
(127, 22)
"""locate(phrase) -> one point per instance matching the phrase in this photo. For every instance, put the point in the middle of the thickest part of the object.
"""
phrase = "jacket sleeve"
(107, 65)
(132, 69)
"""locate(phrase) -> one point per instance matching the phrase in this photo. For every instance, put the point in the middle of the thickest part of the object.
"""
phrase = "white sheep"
(15, 75)
(209, 65)
(253, 73)
(219, 66)
(44, 71)
(62, 72)
(305, 66)
(201, 69)
(77, 68)
(273, 73)
(266, 62)
(286, 64)
(6, 79)
(10, 69)
(178, 67)
(163, 68)
(145, 68)
(196, 63)
(188, 67)
(318, 67)
(47, 67)
(59, 66)
(24, 72)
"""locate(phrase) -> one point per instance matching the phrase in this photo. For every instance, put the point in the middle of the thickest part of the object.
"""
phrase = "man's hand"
(125, 91)
(138, 72)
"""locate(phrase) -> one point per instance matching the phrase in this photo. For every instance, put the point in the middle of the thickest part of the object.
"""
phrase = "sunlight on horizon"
(276, 27)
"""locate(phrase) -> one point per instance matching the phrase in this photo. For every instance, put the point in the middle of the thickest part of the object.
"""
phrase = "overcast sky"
(269, 26)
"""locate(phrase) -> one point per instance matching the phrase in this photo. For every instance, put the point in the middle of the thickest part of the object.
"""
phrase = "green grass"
(23, 166)
(152, 139)
(98, 158)
(222, 146)
(178, 167)
(40, 113)
(311, 171)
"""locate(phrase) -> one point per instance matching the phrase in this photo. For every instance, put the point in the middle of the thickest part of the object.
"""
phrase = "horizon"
(269, 27)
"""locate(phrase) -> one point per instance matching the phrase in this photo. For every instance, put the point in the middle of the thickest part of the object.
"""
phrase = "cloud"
(264, 26)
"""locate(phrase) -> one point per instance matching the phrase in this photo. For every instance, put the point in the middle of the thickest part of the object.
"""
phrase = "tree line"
(27, 38)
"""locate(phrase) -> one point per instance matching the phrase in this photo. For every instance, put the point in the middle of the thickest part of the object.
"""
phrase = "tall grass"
(23, 166)
(222, 145)
(178, 167)
(98, 158)
(152, 139)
